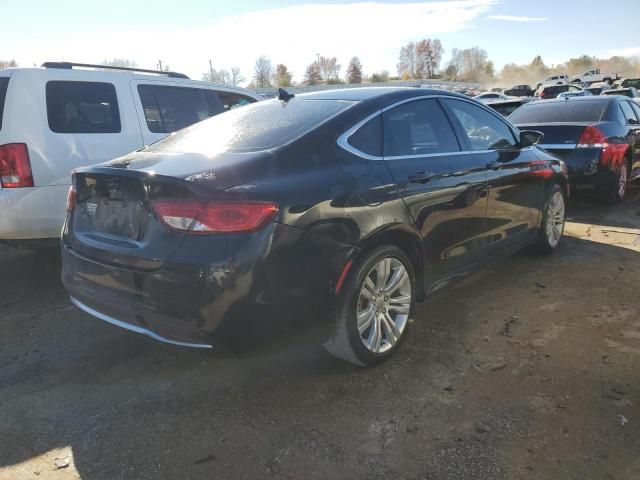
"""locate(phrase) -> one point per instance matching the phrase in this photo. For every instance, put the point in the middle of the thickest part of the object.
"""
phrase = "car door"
(444, 189)
(634, 143)
(166, 107)
(514, 181)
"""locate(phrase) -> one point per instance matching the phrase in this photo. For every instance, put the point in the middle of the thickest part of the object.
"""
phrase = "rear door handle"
(421, 177)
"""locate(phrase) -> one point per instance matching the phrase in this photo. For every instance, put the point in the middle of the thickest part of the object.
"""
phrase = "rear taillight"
(71, 199)
(592, 137)
(15, 166)
(197, 216)
(612, 153)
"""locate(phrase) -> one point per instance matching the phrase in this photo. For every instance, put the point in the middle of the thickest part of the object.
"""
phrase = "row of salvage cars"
(596, 135)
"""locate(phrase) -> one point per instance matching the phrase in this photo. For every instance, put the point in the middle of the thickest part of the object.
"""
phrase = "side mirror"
(530, 137)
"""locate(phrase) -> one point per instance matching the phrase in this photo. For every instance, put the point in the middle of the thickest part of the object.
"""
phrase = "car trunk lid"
(113, 220)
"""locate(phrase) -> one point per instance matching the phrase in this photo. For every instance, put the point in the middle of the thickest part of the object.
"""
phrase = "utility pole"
(210, 71)
(160, 65)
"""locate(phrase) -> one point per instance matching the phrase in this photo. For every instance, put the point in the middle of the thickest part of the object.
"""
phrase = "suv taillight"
(71, 199)
(196, 216)
(15, 166)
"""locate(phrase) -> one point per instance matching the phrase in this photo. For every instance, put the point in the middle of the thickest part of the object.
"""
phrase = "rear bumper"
(33, 212)
(207, 291)
(133, 327)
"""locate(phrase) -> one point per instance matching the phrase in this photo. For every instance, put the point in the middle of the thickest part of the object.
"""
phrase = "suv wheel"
(374, 308)
(552, 225)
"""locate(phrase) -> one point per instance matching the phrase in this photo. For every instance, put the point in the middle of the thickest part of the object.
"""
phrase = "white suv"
(64, 115)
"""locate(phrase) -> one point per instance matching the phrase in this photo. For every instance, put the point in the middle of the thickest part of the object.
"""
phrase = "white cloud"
(291, 35)
(515, 18)
(622, 52)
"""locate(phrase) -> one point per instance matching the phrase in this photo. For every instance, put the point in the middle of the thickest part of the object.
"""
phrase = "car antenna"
(284, 95)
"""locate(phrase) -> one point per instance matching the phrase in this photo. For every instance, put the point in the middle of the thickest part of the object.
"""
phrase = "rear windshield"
(505, 109)
(631, 82)
(626, 93)
(544, 111)
(4, 83)
(259, 126)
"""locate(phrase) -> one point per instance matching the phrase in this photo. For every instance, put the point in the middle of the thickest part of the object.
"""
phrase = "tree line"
(416, 61)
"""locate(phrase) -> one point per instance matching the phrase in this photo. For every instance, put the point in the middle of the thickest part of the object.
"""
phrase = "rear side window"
(231, 100)
(168, 109)
(368, 138)
(484, 130)
(565, 111)
(82, 107)
(417, 128)
(259, 126)
(636, 108)
(4, 84)
(627, 111)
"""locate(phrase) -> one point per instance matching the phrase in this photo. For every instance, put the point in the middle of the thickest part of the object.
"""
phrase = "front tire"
(374, 308)
(552, 225)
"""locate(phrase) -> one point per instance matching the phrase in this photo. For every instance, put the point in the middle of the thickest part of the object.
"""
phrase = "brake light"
(612, 153)
(15, 166)
(71, 199)
(197, 216)
(592, 137)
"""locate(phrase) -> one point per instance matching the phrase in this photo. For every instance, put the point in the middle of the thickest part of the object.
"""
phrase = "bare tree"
(263, 72)
(312, 75)
(329, 68)
(7, 64)
(283, 76)
(354, 71)
(236, 76)
(407, 61)
(470, 65)
(120, 62)
(421, 59)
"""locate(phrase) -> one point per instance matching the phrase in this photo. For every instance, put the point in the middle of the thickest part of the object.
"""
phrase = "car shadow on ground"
(123, 406)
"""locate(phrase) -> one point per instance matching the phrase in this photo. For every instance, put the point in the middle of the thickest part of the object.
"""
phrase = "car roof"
(93, 74)
(589, 98)
(379, 94)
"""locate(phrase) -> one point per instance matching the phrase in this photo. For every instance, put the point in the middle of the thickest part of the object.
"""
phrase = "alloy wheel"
(384, 305)
(622, 181)
(555, 218)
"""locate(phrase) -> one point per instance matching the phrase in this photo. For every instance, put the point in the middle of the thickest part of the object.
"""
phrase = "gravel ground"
(527, 370)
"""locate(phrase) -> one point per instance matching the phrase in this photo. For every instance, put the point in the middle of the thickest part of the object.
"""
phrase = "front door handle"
(494, 165)
(421, 177)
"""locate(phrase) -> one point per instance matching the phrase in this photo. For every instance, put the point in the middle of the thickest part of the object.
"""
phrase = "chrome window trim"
(343, 139)
(558, 146)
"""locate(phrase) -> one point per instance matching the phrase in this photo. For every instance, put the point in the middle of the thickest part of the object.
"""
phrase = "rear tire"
(552, 226)
(374, 308)
(614, 188)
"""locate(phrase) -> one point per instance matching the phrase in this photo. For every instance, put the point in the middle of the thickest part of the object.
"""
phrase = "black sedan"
(346, 207)
(598, 137)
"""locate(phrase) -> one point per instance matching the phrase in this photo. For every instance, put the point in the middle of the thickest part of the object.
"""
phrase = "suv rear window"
(4, 83)
(82, 107)
(556, 111)
(168, 109)
(259, 126)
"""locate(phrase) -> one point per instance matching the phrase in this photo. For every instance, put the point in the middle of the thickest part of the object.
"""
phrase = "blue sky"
(187, 33)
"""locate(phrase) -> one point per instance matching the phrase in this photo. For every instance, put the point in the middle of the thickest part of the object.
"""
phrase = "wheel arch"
(406, 239)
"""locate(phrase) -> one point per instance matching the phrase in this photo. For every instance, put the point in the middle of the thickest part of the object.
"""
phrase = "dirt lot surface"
(527, 370)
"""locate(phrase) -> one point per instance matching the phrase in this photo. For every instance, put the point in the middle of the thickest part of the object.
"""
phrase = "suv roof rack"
(70, 65)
